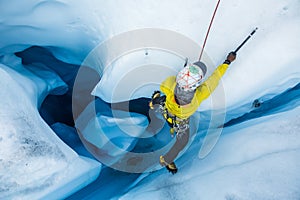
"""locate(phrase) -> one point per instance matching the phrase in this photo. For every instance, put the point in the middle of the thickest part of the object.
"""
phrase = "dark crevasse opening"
(55, 108)
(276, 104)
(58, 108)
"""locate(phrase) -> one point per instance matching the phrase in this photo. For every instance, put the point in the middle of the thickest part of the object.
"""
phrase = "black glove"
(230, 58)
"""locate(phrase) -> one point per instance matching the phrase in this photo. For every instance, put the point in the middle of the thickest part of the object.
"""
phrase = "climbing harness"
(177, 124)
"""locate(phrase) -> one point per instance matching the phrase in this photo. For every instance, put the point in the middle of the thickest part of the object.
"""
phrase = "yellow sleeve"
(167, 86)
(206, 88)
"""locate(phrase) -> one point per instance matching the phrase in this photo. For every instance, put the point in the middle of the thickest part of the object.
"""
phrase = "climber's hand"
(230, 57)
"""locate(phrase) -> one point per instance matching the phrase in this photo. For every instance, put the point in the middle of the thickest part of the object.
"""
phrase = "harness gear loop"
(177, 124)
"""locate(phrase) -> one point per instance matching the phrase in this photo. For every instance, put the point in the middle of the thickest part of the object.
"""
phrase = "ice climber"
(180, 97)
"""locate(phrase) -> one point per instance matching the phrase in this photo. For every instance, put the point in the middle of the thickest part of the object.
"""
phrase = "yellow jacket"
(202, 92)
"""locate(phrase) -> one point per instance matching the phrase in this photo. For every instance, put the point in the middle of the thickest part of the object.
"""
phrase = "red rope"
(211, 21)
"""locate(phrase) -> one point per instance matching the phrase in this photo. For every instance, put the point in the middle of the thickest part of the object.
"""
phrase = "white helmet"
(190, 77)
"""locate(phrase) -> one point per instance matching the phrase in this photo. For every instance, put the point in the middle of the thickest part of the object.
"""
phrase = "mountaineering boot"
(157, 99)
(170, 167)
(155, 95)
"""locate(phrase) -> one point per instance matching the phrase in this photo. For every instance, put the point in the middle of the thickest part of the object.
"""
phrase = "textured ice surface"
(257, 159)
(34, 161)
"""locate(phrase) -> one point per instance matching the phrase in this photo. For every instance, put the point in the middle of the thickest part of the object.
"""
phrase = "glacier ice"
(35, 163)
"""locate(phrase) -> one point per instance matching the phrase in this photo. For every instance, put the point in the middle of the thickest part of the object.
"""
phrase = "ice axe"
(249, 36)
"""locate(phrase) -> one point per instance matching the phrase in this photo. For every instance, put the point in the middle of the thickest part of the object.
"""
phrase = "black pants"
(182, 137)
(182, 140)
